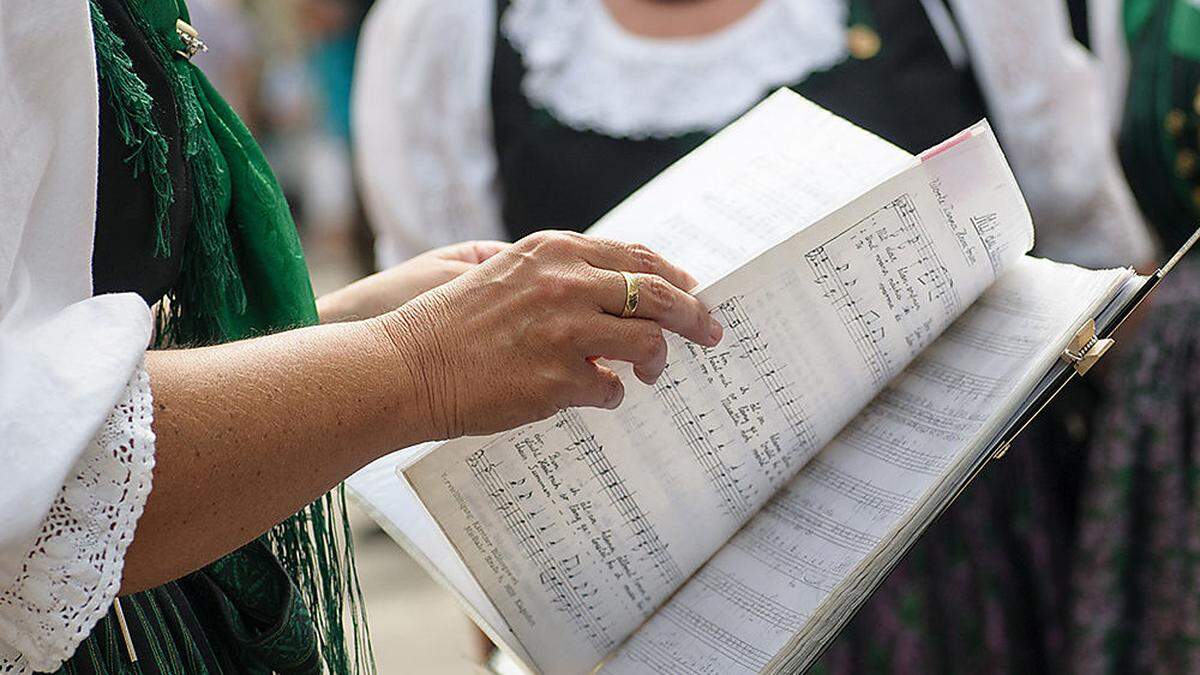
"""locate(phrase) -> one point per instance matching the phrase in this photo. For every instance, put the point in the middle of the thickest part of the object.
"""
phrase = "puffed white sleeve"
(1047, 95)
(76, 447)
(422, 125)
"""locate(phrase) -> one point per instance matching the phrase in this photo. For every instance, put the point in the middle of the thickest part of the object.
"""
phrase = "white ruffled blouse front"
(591, 73)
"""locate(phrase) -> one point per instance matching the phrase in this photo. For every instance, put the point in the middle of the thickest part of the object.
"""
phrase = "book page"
(578, 527)
(797, 559)
(402, 516)
(783, 165)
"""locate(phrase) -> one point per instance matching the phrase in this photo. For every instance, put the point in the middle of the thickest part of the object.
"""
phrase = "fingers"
(663, 303)
(599, 387)
(621, 257)
(636, 341)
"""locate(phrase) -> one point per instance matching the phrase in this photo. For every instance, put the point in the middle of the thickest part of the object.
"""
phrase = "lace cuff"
(73, 571)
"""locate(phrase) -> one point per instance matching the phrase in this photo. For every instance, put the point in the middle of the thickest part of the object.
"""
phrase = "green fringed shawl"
(243, 274)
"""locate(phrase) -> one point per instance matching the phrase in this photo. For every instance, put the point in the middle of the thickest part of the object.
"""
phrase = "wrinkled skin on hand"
(517, 338)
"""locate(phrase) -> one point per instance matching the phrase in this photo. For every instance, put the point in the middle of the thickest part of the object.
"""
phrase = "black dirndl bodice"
(552, 176)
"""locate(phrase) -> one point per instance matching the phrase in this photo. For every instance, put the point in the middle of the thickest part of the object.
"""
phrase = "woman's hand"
(518, 337)
(384, 291)
(510, 341)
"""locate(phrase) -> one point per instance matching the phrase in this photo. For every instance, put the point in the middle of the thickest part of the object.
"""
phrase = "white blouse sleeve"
(422, 125)
(1047, 96)
(74, 418)
(73, 570)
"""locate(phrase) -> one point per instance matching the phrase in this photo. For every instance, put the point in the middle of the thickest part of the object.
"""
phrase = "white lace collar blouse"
(591, 73)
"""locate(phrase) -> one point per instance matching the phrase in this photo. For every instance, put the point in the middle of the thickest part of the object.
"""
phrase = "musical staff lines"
(654, 655)
(571, 598)
(863, 438)
(777, 552)
(959, 380)
(699, 440)
(803, 517)
(885, 289)
(733, 316)
(863, 492)
(616, 490)
(864, 327)
(932, 272)
(1001, 345)
(763, 607)
(711, 634)
(917, 412)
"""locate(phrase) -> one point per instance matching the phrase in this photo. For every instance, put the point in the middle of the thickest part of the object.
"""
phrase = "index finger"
(617, 256)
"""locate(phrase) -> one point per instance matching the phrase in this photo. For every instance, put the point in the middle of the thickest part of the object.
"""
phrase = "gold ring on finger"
(631, 295)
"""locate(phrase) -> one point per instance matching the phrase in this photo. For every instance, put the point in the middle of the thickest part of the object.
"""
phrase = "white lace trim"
(591, 73)
(73, 573)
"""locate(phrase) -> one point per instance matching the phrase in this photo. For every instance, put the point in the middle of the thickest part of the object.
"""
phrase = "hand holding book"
(554, 301)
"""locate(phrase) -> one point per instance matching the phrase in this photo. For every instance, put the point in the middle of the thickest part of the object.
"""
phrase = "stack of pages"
(884, 328)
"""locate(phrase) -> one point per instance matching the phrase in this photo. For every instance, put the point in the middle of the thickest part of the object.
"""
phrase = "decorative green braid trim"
(131, 105)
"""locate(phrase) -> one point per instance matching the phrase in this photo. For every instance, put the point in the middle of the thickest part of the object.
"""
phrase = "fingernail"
(715, 332)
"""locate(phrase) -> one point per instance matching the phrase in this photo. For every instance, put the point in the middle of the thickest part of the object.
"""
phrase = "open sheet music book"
(885, 334)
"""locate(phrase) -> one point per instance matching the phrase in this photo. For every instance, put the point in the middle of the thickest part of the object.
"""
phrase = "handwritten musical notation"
(634, 518)
(878, 274)
(760, 433)
(775, 547)
(879, 441)
(738, 594)
(960, 381)
(785, 394)
(987, 226)
(975, 337)
(570, 525)
(570, 595)
(704, 523)
(804, 516)
(723, 641)
(700, 440)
